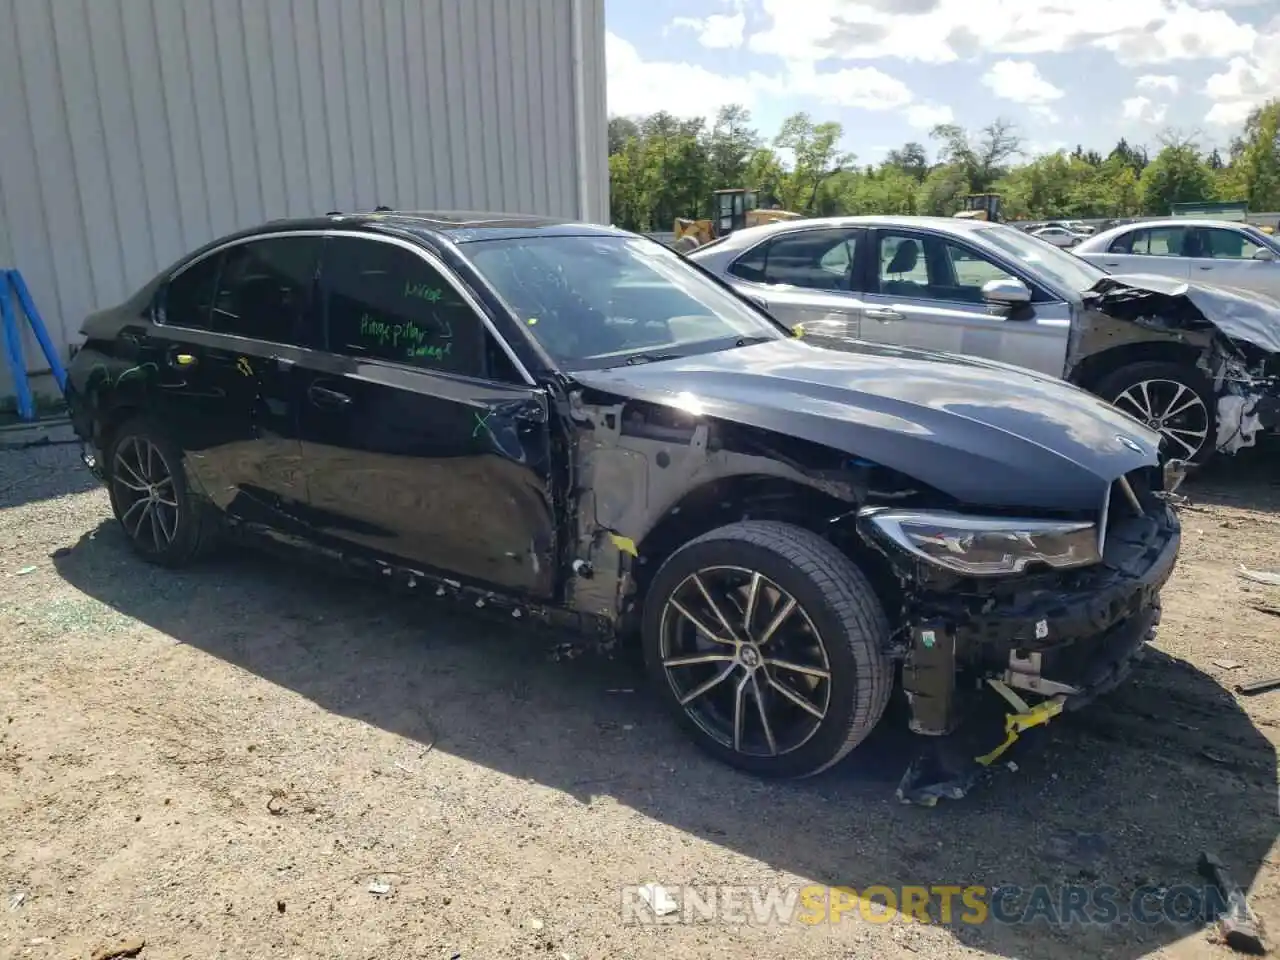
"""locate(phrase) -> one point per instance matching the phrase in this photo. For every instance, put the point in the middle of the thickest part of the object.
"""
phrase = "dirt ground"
(255, 759)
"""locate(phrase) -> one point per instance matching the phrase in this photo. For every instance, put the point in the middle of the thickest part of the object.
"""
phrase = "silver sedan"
(1221, 253)
(988, 290)
(933, 282)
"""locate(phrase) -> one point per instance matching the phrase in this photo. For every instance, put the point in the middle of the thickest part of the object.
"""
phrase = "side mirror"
(1006, 293)
(760, 302)
(1264, 253)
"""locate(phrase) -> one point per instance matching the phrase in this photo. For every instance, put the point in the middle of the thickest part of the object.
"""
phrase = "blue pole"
(13, 348)
(39, 329)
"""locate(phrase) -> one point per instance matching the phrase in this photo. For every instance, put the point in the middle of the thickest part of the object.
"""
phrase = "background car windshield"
(597, 301)
(1262, 239)
(1064, 269)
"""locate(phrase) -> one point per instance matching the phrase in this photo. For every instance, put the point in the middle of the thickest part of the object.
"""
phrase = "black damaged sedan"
(574, 424)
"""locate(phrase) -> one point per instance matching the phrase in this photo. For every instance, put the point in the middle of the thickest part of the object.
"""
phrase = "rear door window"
(189, 296)
(265, 289)
(812, 259)
(1152, 242)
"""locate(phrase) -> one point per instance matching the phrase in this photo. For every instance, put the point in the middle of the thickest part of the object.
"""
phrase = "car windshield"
(1063, 268)
(596, 302)
(1263, 239)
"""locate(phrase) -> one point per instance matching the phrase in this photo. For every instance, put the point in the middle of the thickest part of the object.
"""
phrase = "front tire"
(768, 645)
(165, 522)
(1173, 398)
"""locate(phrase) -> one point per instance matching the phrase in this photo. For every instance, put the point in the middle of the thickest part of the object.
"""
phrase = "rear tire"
(1174, 398)
(165, 523)
(789, 701)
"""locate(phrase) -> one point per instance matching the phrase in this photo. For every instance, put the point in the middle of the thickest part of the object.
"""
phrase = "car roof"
(457, 226)
(750, 235)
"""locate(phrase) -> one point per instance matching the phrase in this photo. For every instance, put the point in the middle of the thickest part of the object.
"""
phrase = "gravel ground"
(254, 759)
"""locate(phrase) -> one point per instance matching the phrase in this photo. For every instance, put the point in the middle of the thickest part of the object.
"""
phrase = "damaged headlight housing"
(986, 546)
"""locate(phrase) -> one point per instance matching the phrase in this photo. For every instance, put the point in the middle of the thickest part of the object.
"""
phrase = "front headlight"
(986, 546)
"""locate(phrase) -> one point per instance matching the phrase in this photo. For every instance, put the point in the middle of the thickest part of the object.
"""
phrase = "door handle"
(1206, 268)
(533, 413)
(324, 397)
(1111, 263)
(883, 315)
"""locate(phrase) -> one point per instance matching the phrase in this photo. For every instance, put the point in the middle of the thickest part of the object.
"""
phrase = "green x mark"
(481, 423)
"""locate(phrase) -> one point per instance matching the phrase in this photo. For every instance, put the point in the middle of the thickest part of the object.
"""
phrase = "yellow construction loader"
(981, 206)
(735, 209)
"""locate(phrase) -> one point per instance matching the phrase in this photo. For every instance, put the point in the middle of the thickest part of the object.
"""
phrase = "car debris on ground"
(1241, 929)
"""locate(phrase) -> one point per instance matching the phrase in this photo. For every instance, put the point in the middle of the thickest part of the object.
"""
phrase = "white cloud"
(717, 31)
(1247, 82)
(1190, 34)
(939, 31)
(863, 87)
(1231, 114)
(637, 86)
(1144, 110)
(1020, 81)
(926, 116)
(1156, 82)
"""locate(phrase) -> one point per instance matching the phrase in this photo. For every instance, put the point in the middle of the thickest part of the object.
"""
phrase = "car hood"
(986, 433)
(1239, 314)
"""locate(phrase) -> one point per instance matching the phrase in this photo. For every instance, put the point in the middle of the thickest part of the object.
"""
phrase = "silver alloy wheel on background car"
(146, 498)
(745, 661)
(1173, 409)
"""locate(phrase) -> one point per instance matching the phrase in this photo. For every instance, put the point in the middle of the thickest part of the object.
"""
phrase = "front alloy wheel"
(1170, 408)
(745, 661)
(1175, 399)
(768, 645)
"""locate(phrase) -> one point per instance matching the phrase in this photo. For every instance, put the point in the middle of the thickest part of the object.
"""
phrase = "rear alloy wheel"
(1174, 400)
(165, 524)
(767, 643)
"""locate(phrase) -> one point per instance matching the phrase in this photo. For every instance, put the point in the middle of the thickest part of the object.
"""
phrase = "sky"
(1066, 72)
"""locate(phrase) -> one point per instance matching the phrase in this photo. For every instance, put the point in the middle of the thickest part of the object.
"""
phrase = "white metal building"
(132, 131)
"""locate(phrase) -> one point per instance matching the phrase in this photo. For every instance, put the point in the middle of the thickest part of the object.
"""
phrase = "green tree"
(1178, 174)
(910, 159)
(942, 192)
(816, 153)
(662, 167)
(1259, 158)
(730, 146)
(982, 159)
(765, 175)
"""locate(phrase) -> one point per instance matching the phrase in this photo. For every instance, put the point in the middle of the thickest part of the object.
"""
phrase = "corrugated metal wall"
(132, 131)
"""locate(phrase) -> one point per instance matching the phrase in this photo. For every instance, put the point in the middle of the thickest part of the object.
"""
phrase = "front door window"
(923, 267)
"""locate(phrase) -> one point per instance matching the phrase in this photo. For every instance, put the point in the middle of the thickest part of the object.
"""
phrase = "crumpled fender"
(1239, 314)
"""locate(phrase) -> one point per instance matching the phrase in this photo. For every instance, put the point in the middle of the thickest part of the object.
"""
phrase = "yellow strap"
(1016, 723)
(625, 544)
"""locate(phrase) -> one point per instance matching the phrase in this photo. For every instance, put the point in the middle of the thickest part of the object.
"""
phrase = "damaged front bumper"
(1046, 643)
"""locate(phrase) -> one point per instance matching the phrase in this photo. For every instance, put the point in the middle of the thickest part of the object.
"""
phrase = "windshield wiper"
(650, 357)
(748, 341)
